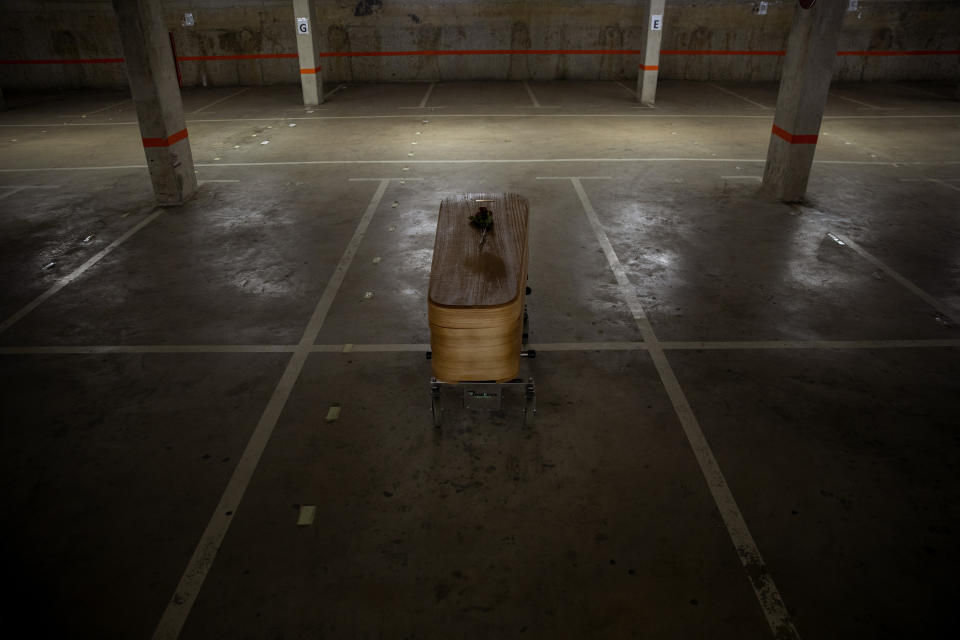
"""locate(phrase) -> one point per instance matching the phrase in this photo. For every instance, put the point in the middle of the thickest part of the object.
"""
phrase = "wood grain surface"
(476, 297)
(464, 275)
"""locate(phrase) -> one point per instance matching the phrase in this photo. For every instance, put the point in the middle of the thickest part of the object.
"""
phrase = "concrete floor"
(813, 382)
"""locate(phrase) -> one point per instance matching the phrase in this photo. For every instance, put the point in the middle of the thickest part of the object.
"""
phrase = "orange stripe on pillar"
(794, 139)
(165, 142)
(309, 71)
(649, 67)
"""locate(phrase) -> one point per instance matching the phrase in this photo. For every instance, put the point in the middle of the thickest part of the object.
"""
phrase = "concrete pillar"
(804, 83)
(650, 63)
(308, 48)
(156, 94)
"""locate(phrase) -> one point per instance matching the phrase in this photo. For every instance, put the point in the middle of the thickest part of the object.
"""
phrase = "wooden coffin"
(475, 303)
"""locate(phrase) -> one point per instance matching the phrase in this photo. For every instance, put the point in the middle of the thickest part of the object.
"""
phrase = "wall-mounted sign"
(853, 6)
(303, 26)
(656, 22)
(762, 8)
(188, 20)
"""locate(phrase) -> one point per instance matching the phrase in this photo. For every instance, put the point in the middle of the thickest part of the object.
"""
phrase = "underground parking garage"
(479, 318)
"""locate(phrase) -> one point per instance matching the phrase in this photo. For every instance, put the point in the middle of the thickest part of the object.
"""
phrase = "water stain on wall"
(338, 40)
(519, 40)
(367, 7)
(611, 66)
(428, 39)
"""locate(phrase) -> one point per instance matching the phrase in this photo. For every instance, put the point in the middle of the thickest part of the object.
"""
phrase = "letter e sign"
(656, 22)
(303, 26)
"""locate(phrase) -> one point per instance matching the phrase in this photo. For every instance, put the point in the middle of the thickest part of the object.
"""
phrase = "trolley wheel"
(436, 409)
(530, 404)
(529, 412)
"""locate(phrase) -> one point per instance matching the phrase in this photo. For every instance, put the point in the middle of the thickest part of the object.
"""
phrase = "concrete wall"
(73, 29)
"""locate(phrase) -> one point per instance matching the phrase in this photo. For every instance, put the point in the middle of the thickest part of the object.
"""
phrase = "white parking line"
(943, 183)
(175, 615)
(760, 578)
(12, 190)
(426, 96)
(90, 113)
(773, 345)
(694, 345)
(379, 179)
(216, 102)
(725, 116)
(865, 105)
(737, 95)
(64, 281)
(533, 98)
(334, 90)
(741, 177)
(629, 90)
(574, 177)
(589, 346)
(917, 291)
(152, 348)
(294, 163)
(16, 188)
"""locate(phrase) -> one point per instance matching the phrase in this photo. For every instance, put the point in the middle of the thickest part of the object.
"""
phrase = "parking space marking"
(379, 179)
(691, 345)
(10, 191)
(572, 177)
(909, 286)
(180, 604)
(76, 273)
(488, 115)
(773, 345)
(865, 105)
(334, 90)
(737, 95)
(151, 348)
(629, 90)
(589, 346)
(768, 596)
(90, 113)
(216, 102)
(533, 98)
(943, 183)
(426, 96)
(293, 163)
(741, 177)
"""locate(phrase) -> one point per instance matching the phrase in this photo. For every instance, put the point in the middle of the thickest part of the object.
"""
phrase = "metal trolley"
(488, 394)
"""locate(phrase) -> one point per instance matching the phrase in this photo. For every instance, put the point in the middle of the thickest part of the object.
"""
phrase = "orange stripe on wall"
(77, 61)
(898, 53)
(794, 139)
(244, 56)
(165, 142)
(718, 52)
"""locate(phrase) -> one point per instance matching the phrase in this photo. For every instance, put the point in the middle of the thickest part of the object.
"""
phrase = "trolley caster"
(529, 353)
(530, 404)
(436, 405)
(529, 290)
(429, 355)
